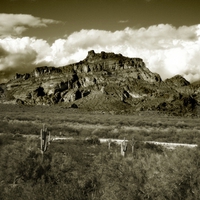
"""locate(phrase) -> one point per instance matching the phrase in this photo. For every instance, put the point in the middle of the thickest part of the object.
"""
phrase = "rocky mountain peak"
(177, 81)
(93, 57)
(91, 54)
(102, 81)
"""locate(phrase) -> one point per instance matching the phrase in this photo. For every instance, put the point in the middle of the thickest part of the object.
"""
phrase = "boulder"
(19, 102)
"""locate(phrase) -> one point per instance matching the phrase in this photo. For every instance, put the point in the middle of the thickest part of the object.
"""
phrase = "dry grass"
(77, 122)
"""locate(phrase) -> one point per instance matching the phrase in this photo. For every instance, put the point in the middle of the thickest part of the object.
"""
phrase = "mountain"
(106, 82)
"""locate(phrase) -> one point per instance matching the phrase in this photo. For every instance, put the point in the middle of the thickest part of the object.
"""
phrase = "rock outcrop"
(177, 81)
(102, 81)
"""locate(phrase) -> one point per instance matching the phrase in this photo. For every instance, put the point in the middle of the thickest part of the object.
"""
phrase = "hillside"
(104, 82)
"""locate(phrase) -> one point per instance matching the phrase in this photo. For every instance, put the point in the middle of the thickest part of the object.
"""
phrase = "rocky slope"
(106, 82)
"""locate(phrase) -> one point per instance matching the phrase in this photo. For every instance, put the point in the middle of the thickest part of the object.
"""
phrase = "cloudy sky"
(164, 33)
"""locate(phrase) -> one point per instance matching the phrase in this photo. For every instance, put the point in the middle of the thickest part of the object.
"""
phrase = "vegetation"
(78, 169)
(147, 126)
(83, 168)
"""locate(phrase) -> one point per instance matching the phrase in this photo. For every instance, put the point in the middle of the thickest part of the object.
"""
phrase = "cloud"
(21, 55)
(16, 24)
(123, 21)
(165, 49)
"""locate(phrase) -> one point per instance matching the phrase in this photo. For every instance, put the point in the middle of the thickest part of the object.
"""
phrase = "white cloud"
(21, 55)
(16, 24)
(165, 49)
(123, 21)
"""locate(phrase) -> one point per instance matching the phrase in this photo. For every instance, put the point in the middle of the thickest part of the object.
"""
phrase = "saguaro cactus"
(133, 144)
(124, 145)
(109, 142)
(45, 139)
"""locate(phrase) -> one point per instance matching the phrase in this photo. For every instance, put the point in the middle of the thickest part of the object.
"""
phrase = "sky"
(164, 33)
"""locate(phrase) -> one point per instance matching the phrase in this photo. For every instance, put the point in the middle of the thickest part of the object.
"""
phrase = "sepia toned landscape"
(99, 100)
(103, 128)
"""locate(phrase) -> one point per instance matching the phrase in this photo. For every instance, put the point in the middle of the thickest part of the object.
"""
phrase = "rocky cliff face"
(102, 81)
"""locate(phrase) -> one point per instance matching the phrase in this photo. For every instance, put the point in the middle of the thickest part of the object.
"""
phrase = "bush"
(6, 139)
(153, 147)
(93, 140)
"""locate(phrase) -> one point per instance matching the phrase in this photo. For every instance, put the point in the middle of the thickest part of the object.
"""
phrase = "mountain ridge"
(104, 81)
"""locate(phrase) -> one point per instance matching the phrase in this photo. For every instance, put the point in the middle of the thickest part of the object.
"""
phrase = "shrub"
(153, 147)
(92, 140)
(6, 139)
